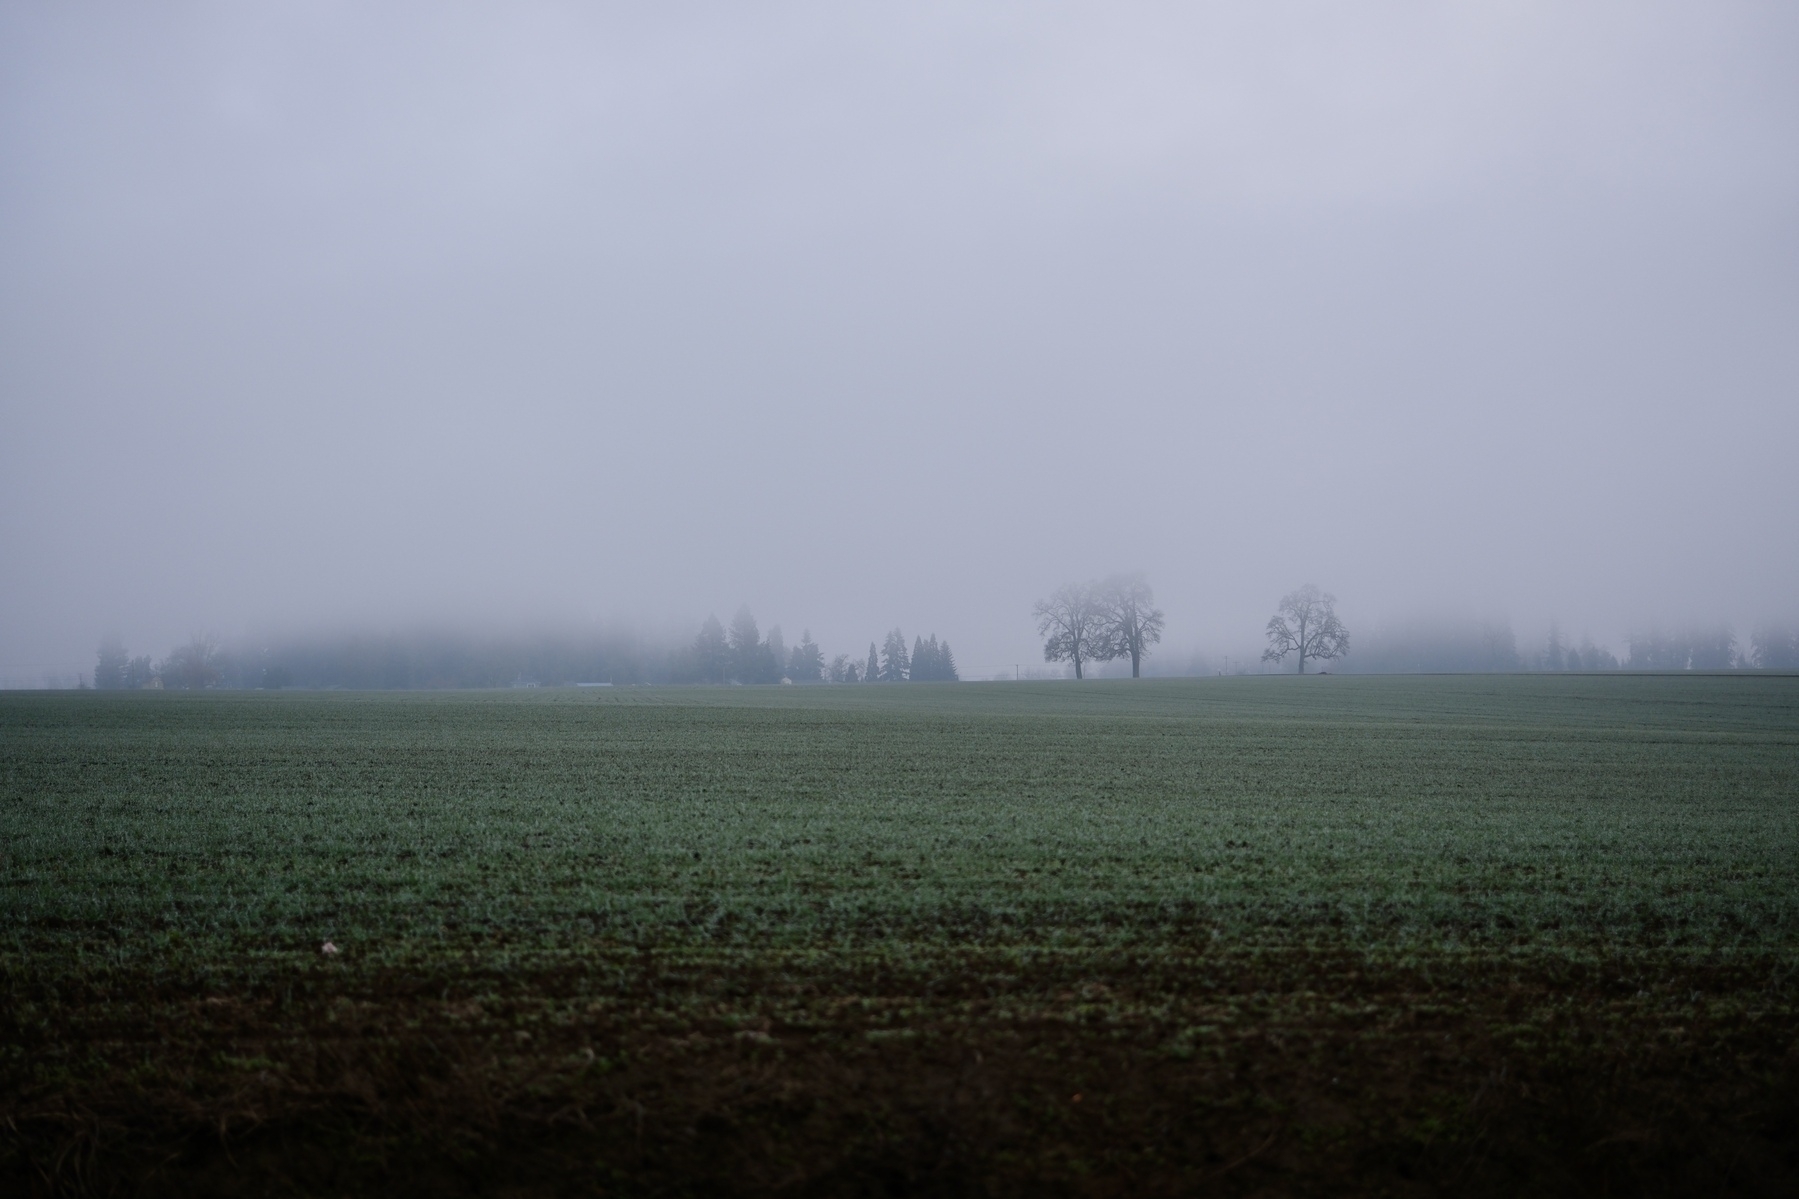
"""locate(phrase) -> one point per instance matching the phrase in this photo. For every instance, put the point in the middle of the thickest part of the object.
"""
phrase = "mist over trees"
(896, 663)
(709, 659)
(1069, 622)
(1107, 619)
(932, 661)
(741, 654)
(1436, 647)
(117, 670)
(1306, 624)
(1099, 622)
(1470, 646)
(1489, 645)
(1655, 650)
(718, 654)
(1130, 622)
(805, 664)
(199, 664)
(1558, 655)
(1774, 648)
(753, 660)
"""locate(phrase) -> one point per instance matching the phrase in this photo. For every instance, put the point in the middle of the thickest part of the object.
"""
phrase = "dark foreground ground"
(1264, 936)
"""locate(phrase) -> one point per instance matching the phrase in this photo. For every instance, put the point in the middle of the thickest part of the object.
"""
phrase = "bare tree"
(1072, 623)
(1130, 622)
(196, 665)
(1307, 624)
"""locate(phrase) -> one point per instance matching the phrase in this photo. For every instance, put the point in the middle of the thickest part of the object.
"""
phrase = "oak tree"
(1306, 624)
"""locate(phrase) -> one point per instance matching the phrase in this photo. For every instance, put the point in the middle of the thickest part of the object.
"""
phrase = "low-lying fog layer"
(878, 316)
(743, 654)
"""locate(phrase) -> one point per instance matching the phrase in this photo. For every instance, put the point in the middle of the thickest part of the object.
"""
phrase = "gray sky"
(893, 314)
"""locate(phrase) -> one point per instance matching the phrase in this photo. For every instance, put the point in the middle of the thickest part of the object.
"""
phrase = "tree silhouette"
(896, 663)
(1072, 623)
(1306, 624)
(1130, 622)
(711, 653)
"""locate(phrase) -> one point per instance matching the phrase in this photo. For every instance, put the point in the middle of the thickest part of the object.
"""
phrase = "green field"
(1324, 934)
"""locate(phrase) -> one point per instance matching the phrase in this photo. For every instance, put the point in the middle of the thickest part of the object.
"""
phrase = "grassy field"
(1264, 935)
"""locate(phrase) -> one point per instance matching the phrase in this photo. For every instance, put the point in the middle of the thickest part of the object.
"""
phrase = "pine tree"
(872, 670)
(711, 654)
(806, 664)
(746, 639)
(896, 663)
(109, 674)
(752, 660)
(946, 665)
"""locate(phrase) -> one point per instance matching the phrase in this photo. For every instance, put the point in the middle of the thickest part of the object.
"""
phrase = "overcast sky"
(876, 314)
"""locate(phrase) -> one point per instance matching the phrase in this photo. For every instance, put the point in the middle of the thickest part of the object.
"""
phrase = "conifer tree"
(746, 640)
(806, 663)
(895, 661)
(711, 654)
(109, 674)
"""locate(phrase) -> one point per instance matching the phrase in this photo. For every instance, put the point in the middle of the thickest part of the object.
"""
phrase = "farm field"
(1428, 935)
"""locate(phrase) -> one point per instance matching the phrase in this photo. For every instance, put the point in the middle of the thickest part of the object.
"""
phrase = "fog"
(345, 316)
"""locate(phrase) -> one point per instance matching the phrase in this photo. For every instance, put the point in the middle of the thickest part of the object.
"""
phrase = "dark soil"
(1149, 1073)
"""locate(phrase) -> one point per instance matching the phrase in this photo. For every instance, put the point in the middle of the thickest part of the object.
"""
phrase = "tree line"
(389, 662)
(741, 654)
(1082, 623)
(426, 660)
(1771, 647)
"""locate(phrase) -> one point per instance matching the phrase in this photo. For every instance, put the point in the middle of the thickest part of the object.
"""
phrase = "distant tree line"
(1085, 623)
(1774, 647)
(415, 661)
(199, 664)
(1491, 646)
(1099, 622)
(422, 661)
(741, 655)
(1771, 647)
(119, 671)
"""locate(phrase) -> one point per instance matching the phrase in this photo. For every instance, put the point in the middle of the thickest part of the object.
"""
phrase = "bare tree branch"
(1129, 621)
(1306, 623)
(1071, 622)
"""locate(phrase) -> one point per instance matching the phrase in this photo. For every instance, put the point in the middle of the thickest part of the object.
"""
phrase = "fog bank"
(383, 318)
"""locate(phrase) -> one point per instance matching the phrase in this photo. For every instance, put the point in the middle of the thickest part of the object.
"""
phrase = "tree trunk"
(1136, 662)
